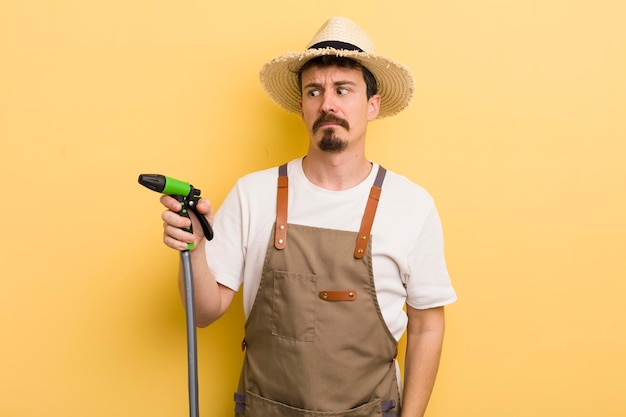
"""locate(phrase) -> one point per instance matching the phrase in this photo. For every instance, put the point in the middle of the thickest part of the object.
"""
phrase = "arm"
(211, 298)
(423, 349)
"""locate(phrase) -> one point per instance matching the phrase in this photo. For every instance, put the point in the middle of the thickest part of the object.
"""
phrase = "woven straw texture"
(395, 82)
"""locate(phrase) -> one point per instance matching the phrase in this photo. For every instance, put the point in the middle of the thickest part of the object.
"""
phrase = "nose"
(328, 103)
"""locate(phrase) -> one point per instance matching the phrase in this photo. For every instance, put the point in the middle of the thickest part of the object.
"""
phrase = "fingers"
(173, 236)
(170, 203)
(204, 206)
(176, 238)
(175, 220)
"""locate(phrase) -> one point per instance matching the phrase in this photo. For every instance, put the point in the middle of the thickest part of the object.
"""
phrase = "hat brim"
(395, 82)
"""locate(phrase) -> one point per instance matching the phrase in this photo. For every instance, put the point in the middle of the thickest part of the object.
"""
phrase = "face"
(335, 108)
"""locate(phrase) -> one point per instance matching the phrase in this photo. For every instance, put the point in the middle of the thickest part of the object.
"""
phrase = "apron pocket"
(257, 406)
(294, 304)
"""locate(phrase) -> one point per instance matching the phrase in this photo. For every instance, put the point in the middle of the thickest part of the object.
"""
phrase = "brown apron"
(317, 344)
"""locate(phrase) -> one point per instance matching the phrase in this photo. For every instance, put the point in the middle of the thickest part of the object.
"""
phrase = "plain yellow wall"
(517, 129)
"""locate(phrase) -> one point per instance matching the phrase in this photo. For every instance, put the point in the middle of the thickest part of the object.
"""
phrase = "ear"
(300, 105)
(373, 107)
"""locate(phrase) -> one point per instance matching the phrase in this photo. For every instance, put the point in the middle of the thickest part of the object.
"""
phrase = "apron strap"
(368, 217)
(280, 236)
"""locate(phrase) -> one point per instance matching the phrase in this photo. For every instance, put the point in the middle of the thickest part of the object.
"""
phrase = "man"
(329, 249)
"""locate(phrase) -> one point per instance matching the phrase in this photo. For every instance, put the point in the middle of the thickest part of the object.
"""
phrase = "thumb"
(204, 207)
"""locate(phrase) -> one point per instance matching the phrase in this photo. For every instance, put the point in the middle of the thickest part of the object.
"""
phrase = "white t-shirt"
(407, 242)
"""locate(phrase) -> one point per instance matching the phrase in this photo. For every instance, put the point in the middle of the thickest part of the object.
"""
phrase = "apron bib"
(317, 344)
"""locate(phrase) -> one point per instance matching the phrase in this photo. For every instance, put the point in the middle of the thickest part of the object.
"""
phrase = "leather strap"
(346, 295)
(368, 217)
(280, 235)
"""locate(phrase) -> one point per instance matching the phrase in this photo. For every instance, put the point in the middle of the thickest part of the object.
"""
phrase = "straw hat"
(341, 37)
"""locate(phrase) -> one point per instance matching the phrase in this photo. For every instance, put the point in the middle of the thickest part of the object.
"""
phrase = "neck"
(335, 171)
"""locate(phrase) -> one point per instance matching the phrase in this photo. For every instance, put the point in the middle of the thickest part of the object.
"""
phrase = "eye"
(342, 90)
(313, 93)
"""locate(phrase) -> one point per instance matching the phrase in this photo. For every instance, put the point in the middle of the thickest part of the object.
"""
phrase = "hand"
(173, 235)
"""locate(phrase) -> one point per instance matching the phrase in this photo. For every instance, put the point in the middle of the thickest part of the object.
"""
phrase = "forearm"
(423, 352)
(210, 298)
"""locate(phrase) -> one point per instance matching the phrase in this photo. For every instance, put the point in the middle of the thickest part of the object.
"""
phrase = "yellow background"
(517, 129)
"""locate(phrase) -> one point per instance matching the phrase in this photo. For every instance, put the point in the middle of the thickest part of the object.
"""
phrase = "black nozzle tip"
(154, 182)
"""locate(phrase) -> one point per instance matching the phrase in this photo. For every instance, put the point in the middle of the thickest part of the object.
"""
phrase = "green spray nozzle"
(165, 185)
(183, 192)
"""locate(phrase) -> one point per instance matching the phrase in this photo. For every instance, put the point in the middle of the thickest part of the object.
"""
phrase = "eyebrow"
(335, 84)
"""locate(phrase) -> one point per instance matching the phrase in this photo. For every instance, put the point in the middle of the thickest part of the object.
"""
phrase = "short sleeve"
(428, 283)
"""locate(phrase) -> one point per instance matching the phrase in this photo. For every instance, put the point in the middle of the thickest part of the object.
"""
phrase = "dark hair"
(341, 62)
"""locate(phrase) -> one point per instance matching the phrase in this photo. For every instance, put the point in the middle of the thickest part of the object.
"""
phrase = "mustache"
(326, 118)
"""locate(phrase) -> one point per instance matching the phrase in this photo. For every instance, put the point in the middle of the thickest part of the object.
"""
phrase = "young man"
(329, 249)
